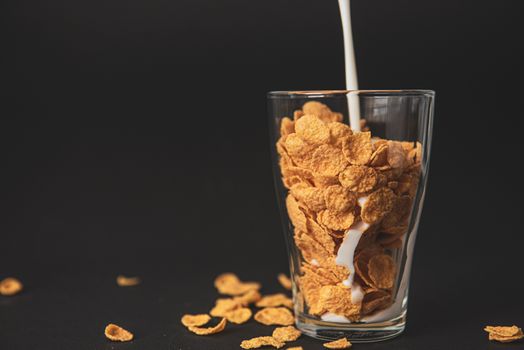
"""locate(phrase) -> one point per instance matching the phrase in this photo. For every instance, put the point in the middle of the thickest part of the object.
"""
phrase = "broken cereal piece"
(230, 284)
(209, 330)
(342, 343)
(195, 320)
(10, 286)
(275, 316)
(274, 300)
(285, 334)
(504, 334)
(117, 333)
(258, 342)
(124, 281)
(284, 281)
(238, 316)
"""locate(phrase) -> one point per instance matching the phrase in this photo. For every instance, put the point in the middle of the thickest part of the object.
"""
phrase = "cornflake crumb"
(504, 334)
(10, 286)
(342, 343)
(124, 281)
(117, 333)
(258, 342)
(284, 281)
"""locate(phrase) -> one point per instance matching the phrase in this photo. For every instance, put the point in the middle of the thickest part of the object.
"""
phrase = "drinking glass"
(350, 198)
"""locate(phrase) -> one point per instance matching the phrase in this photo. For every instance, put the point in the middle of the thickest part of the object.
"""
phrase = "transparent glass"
(350, 203)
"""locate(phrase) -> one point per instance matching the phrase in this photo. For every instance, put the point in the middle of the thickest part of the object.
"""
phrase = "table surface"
(66, 308)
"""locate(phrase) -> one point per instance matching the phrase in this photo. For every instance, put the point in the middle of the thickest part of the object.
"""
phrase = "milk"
(351, 67)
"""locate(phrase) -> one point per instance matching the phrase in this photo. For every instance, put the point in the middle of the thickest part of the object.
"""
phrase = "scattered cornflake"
(223, 305)
(284, 281)
(275, 316)
(239, 316)
(381, 271)
(504, 334)
(209, 330)
(312, 130)
(258, 342)
(295, 348)
(10, 286)
(286, 334)
(342, 343)
(249, 298)
(117, 333)
(274, 300)
(195, 320)
(358, 149)
(230, 284)
(124, 281)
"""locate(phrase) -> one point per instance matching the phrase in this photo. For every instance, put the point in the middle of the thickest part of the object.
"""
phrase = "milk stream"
(351, 67)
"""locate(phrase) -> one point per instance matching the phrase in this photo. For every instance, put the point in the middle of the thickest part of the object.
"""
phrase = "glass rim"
(335, 93)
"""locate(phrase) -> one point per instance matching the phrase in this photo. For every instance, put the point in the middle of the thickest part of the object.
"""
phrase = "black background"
(134, 140)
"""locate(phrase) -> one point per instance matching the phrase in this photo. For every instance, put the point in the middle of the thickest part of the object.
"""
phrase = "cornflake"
(195, 320)
(339, 199)
(381, 270)
(228, 283)
(342, 343)
(312, 197)
(327, 160)
(275, 300)
(379, 203)
(286, 334)
(338, 132)
(284, 281)
(10, 286)
(238, 316)
(209, 330)
(336, 221)
(258, 342)
(249, 298)
(375, 299)
(322, 111)
(124, 281)
(358, 149)
(295, 348)
(287, 126)
(312, 130)
(117, 333)
(504, 334)
(275, 316)
(222, 306)
(337, 300)
(358, 178)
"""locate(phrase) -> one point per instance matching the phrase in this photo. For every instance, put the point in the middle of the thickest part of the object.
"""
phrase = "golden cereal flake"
(397, 157)
(222, 306)
(312, 130)
(399, 214)
(358, 178)
(297, 114)
(230, 284)
(287, 126)
(124, 281)
(380, 155)
(275, 316)
(381, 271)
(339, 199)
(274, 300)
(284, 281)
(319, 234)
(323, 181)
(338, 132)
(337, 299)
(311, 249)
(504, 334)
(342, 343)
(322, 111)
(327, 160)
(361, 262)
(117, 333)
(249, 298)
(195, 320)
(258, 342)
(299, 150)
(296, 216)
(336, 221)
(10, 286)
(209, 330)
(312, 197)
(286, 334)
(375, 299)
(295, 348)
(238, 316)
(378, 204)
(357, 148)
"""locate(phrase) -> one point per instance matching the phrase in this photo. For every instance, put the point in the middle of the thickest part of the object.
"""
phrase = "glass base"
(355, 332)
